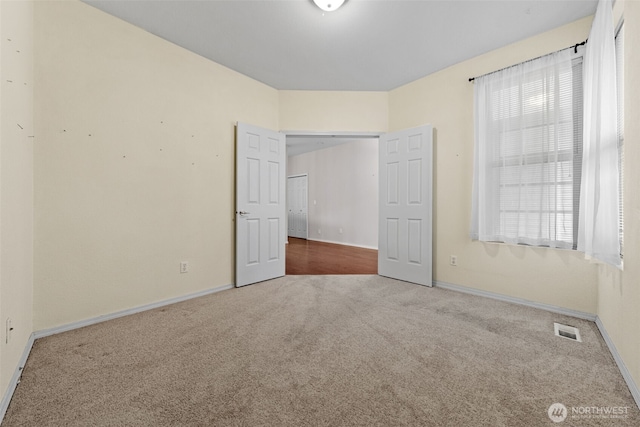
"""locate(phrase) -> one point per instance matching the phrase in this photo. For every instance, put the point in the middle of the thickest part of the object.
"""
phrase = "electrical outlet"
(453, 260)
(184, 267)
(319, 231)
(9, 330)
(340, 230)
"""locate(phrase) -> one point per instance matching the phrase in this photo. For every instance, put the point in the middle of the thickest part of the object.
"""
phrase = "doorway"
(341, 172)
(404, 203)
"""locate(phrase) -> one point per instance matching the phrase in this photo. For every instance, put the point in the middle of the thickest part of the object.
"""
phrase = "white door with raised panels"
(405, 213)
(260, 204)
(297, 195)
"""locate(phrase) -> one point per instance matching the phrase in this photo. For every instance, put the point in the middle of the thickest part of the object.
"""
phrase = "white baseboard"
(514, 300)
(15, 379)
(139, 309)
(633, 387)
(344, 244)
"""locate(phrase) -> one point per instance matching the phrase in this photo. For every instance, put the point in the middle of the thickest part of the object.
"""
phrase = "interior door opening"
(341, 221)
(402, 188)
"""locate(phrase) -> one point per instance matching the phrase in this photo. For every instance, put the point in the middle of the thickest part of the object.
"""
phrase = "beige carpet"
(322, 351)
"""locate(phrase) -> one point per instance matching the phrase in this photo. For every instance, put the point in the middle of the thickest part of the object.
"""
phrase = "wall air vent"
(566, 331)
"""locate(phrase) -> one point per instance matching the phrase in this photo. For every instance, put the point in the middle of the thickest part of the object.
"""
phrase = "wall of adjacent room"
(343, 192)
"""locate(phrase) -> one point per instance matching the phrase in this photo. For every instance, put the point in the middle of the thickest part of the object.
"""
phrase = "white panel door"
(405, 222)
(302, 191)
(297, 190)
(291, 206)
(260, 204)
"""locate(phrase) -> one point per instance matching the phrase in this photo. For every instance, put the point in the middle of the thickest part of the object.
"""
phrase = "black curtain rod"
(575, 50)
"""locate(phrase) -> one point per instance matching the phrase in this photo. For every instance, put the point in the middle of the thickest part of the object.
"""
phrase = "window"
(528, 152)
(620, 84)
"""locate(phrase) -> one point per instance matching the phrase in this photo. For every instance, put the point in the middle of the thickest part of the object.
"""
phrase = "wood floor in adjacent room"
(308, 257)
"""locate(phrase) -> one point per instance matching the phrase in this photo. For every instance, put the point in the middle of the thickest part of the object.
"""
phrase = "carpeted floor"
(323, 351)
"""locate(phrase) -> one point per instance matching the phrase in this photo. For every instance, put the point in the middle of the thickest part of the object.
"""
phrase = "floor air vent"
(566, 331)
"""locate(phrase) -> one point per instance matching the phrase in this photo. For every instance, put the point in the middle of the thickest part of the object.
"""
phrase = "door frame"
(337, 134)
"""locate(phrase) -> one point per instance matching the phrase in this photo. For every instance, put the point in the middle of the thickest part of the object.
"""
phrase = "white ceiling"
(367, 45)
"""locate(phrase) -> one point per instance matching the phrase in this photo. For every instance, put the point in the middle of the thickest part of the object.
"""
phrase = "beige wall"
(134, 165)
(445, 100)
(327, 111)
(134, 162)
(16, 182)
(619, 292)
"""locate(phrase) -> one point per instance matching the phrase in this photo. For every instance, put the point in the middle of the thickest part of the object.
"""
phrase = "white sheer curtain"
(525, 138)
(598, 234)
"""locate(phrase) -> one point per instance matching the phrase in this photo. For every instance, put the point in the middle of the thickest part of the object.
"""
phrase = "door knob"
(243, 213)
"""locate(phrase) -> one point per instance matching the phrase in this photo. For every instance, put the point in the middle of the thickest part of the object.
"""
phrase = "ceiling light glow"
(328, 5)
